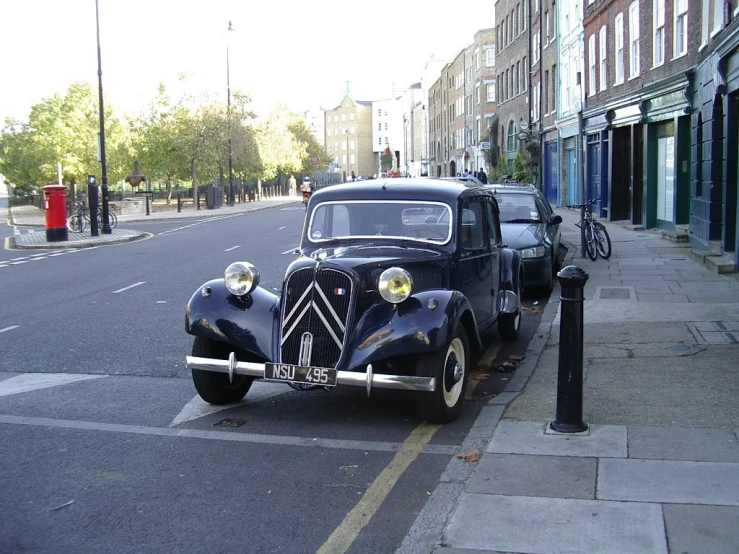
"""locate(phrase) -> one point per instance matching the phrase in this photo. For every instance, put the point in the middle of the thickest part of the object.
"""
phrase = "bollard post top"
(572, 277)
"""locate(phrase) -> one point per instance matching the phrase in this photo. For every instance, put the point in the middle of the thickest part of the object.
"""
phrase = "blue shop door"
(572, 192)
(593, 183)
(551, 175)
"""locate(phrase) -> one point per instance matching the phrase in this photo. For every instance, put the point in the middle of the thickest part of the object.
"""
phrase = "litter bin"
(55, 206)
(214, 197)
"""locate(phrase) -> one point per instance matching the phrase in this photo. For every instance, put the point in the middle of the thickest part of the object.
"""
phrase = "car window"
(367, 219)
(516, 207)
(492, 229)
(471, 228)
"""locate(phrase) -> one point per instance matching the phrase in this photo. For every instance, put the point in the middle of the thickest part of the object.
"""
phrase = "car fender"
(423, 323)
(511, 274)
(248, 322)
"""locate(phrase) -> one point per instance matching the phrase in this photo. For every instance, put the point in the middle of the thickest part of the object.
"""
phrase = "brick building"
(460, 103)
(544, 78)
(348, 138)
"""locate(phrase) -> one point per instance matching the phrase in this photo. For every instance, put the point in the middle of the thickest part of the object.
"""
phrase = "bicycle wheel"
(113, 220)
(590, 247)
(602, 240)
(75, 223)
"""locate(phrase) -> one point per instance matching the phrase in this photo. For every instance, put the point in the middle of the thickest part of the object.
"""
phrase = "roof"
(423, 189)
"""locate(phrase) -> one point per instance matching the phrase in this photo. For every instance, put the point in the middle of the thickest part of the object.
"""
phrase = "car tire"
(445, 403)
(215, 387)
(510, 324)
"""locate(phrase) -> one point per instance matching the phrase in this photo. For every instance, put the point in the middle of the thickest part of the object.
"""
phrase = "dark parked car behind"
(396, 281)
(530, 226)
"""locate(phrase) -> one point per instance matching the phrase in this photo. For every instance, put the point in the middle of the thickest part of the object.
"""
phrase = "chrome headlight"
(533, 252)
(241, 278)
(395, 285)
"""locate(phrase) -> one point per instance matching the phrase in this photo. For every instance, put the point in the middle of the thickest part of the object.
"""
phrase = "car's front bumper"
(368, 379)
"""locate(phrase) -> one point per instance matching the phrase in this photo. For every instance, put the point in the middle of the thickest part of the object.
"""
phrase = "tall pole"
(230, 131)
(103, 167)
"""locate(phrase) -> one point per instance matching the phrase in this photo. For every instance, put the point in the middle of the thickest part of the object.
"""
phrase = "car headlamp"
(241, 278)
(395, 285)
(533, 252)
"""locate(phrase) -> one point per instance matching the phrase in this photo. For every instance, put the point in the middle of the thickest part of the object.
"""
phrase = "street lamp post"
(231, 199)
(103, 167)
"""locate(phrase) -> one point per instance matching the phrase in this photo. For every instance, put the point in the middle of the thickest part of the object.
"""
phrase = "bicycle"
(78, 221)
(597, 241)
(112, 218)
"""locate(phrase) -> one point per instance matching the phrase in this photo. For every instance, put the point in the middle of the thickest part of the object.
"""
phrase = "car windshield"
(429, 222)
(517, 208)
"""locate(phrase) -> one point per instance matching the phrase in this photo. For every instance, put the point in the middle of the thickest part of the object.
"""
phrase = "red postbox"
(55, 205)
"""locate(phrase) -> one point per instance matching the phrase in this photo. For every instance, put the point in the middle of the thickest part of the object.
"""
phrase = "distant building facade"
(348, 136)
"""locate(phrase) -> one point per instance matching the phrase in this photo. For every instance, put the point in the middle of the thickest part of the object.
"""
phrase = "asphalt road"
(106, 448)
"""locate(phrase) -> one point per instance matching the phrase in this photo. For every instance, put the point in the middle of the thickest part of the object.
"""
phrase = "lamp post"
(101, 137)
(231, 199)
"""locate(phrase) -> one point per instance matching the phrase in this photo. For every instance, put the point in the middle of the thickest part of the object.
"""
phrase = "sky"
(295, 52)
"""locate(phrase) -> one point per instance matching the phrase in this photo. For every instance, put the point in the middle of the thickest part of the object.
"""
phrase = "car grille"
(317, 301)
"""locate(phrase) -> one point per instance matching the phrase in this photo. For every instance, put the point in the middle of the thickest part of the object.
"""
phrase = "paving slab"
(546, 476)
(663, 298)
(528, 437)
(679, 443)
(674, 482)
(697, 529)
(545, 525)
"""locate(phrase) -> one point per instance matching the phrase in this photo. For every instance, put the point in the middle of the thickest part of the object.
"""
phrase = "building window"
(554, 88)
(705, 23)
(490, 57)
(343, 117)
(681, 28)
(602, 56)
(546, 92)
(634, 40)
(619, 54)
(525, 75)
(379, 126)
(535, 48)
(386, 125)
(591, 65)
(351, 117)
(546, 28)
(477, 60)
(512, 138)
(379, 112)
(351, 130)
(516, 20)
(517, 78)
(658, 24)
(379, 141)
(718, 16)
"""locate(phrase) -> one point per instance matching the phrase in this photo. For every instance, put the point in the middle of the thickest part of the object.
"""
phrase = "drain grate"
(715, 332)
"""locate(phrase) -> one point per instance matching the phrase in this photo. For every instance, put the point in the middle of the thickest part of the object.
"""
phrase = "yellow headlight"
(241, 278)
(395, 285)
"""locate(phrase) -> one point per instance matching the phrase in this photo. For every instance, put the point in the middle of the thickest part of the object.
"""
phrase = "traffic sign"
(485, 146)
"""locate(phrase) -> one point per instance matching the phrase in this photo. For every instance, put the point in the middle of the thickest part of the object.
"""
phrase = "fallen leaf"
(536, 310)
(516, 357)
(471, 456)
(479, 376)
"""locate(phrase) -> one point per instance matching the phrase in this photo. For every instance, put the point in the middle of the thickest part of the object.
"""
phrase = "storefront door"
(666, 180)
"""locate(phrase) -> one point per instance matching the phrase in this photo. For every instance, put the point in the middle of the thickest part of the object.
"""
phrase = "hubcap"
(454, 368)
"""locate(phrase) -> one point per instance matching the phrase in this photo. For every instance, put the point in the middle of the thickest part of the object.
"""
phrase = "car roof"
(523, 188)
(423, 189)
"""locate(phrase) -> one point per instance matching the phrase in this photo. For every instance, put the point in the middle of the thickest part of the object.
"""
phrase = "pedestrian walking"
(482, 176)
(292, 185)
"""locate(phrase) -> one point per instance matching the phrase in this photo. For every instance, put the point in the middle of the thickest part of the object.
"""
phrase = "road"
(106, 447)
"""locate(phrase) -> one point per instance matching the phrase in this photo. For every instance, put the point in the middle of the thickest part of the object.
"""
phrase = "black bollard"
(179, 202)
(572, 279)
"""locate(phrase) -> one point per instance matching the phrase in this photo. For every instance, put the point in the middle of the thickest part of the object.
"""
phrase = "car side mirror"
(556, 220)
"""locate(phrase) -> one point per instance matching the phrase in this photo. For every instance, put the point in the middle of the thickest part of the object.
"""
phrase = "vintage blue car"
(395, 283)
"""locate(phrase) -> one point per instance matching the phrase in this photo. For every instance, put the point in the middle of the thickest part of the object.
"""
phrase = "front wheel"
(450, 368)
(602, 240)
(215, 387)
(590, 247)
(76, 224)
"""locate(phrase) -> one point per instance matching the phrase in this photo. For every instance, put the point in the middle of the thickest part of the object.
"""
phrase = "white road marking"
(161, 301)
(18, 263)
(281, 228)
(35, 381)
(9, 328)
(254, 438)
(57, 254)
(197, 407)
(37, 255)
(232, 248)
(18, 259)
(129, 287)
(291, 251)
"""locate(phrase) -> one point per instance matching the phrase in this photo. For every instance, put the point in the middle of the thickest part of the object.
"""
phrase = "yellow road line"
(344, 535)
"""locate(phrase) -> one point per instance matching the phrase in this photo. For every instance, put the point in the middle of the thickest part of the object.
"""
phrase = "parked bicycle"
(79, 220)
(597, 241)
(112, 218)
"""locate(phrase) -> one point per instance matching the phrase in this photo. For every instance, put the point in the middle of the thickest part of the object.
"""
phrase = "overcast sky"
(297, 52)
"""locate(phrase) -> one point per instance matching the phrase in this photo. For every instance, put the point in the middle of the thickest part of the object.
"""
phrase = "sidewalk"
(658, 470)
(30, 216)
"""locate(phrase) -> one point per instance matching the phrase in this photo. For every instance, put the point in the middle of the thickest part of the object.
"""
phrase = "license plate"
(300, 374)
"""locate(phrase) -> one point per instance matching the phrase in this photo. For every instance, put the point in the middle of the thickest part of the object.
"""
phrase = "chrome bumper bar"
(369, 379)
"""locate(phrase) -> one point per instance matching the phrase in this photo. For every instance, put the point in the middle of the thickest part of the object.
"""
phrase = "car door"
(474, 272)
(495, 240)
(553, 234)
